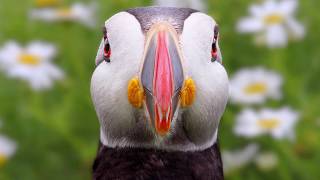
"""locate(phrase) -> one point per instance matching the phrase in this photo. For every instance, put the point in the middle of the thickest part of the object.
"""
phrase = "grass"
(57, 130)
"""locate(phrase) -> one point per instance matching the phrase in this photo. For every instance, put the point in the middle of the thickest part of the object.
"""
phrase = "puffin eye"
(106, 50)
(214, 50)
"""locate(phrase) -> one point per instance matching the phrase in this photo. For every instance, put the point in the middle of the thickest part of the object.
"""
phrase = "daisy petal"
(44, 50)
(85, 14)
(8, 54)
(21, 72)
(46, 14)
(256, 11)
(233, 160)
(7, 146)
(276, 36)
(288, 7)
(248, 25)
(40, 82)
(269, 6)
(296, 29)
(53, 71)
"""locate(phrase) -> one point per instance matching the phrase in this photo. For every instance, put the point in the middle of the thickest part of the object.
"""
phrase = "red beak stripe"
(163, 85)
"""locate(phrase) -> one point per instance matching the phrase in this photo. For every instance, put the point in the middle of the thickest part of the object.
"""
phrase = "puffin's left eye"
(214, 52)
(106, 49)
(107, 52)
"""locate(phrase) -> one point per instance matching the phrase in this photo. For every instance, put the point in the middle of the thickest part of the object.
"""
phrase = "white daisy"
(254, 86)
(266, 161)
(278, 123)
(273, 21)
(233, 160)
(195, 4)
(84, 14)
(7, 149)
(32, 64)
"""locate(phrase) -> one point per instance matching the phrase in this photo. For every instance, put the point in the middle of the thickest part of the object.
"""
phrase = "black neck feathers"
(145, 164)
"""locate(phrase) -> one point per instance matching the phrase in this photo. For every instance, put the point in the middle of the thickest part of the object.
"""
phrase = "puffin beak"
(162, 76)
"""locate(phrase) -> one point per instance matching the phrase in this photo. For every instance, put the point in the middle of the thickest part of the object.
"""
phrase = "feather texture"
(143, 164)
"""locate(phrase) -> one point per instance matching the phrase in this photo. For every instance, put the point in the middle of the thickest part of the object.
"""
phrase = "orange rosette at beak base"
(135, 93)
(188, 93)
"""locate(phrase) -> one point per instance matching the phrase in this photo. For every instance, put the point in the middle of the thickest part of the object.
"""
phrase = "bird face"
(159, 81)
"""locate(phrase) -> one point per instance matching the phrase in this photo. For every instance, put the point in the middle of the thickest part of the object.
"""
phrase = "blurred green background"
(57, 131)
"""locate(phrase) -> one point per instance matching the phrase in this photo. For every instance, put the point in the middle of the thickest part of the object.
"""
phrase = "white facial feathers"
(124, 36)
(202, 118)
(110, 80)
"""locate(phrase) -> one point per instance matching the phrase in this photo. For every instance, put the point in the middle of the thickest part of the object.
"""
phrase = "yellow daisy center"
(3, 160)
(256, 88)
(64, 12)
(46, 3)
(29, 59)
(274, 19)
(269, 123)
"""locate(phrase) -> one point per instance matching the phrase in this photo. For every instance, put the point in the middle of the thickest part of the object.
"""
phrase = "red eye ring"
(214, 54)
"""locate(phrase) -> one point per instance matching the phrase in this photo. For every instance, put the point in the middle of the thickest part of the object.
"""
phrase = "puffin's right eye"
(107, 52)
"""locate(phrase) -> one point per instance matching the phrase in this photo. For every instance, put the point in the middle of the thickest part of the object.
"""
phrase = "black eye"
(214, 50)
(107, 50)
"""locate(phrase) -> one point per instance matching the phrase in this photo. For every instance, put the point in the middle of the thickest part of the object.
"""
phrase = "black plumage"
(145, 164)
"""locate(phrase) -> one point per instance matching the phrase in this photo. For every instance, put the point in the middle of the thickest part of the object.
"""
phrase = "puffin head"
(159, 81)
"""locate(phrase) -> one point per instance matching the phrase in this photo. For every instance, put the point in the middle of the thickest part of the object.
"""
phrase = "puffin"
(159, 90)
